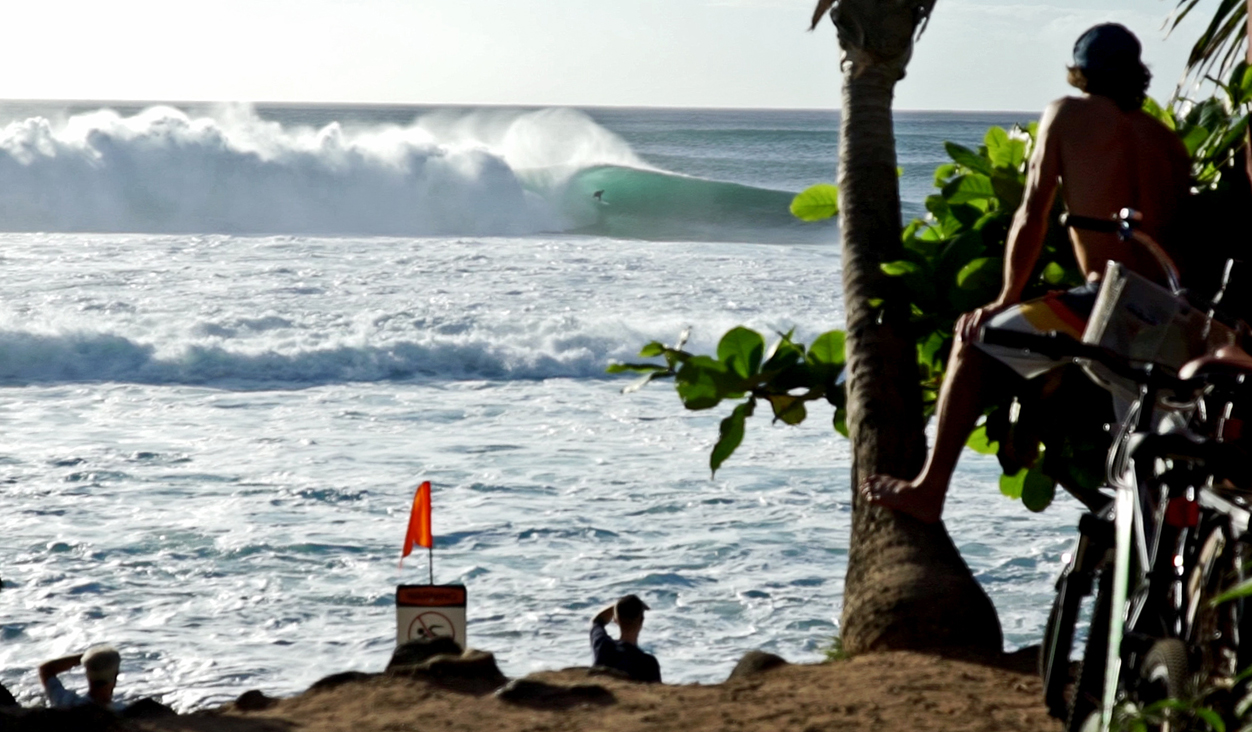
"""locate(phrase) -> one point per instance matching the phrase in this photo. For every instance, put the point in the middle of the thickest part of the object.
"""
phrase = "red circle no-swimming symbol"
(432, 624)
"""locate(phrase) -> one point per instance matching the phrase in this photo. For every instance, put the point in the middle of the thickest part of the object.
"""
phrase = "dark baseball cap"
(1106, 47)
(630, 607)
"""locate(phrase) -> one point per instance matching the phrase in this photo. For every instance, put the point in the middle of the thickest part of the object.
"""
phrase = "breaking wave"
(490, 172)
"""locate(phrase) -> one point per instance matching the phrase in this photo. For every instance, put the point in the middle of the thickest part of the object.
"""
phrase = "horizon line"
(709, 108)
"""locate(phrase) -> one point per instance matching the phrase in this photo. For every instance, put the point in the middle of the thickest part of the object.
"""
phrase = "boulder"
(473, 671)
(254, 701)
(146, 708)
(336, 680)
(755, 662)
(415, 651)
(6, 698)
(542, 695)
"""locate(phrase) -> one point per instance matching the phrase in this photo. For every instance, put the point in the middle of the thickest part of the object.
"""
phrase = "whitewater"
(233, 340)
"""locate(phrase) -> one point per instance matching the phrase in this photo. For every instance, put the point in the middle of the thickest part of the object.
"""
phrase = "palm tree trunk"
(907, 586)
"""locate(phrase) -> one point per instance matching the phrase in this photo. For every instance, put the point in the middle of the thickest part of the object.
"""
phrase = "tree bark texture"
(907, 587)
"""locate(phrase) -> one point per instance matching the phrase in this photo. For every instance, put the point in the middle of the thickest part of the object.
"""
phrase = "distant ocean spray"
(502, 172)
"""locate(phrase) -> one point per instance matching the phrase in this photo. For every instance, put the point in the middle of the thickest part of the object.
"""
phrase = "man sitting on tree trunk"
(1109, 155)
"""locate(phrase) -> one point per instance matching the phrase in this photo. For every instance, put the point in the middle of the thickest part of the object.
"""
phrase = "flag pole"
(430, 556)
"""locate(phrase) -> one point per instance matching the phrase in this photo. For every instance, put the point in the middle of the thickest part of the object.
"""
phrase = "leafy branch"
(787, 376)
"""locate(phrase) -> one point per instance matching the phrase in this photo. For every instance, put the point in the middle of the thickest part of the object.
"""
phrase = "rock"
(473, 671)
(255, 701)
(87, 718)
(612, 673)
(416, 651)
(755, 662)
(337, 680)
(146, 708)
(542, 695)
(6, 699)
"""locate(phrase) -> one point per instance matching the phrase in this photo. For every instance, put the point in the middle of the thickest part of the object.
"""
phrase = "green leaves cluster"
(786, 376)
(1211, 128)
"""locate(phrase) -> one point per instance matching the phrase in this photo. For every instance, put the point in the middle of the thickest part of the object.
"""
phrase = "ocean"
(233, 340)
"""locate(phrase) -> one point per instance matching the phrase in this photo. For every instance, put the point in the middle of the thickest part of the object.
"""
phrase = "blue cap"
(1107, 47)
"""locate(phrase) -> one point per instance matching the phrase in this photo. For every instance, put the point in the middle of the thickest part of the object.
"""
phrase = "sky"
(975, 54)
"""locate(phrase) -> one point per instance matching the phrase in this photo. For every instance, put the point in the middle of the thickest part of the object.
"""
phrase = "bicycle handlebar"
(1058, 345)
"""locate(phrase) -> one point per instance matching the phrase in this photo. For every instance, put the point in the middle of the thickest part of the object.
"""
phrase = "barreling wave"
(496, 172)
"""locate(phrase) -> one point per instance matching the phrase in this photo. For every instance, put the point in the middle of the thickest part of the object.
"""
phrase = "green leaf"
(968, 158)
(1038, 490)
(828, 348)
(619, 368)
(655, 348)
(700, 383)
(783, 354)
(899, 268)
(841, 421)
(1000, 148)
(1153, 109)
(969, 187)
(816, 203)
(1053, 274)
(1009, 190)
(741, 351)
(730, 434)
(979, 443)
(1012, 485)
(943, 173)
(788, 409)
(1243, 589)
(982, 273)
(1211, 718)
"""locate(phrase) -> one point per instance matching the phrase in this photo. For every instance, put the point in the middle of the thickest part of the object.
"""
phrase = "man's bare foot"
(903, 496)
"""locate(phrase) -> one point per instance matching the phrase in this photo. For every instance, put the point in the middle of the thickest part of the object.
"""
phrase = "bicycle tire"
(1165, 672)
(1058, 640)
(1089, 681)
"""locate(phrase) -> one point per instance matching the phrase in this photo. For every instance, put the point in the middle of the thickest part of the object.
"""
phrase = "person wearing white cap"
(101, 664)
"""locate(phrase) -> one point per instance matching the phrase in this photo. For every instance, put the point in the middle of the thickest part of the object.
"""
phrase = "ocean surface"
(234, 339)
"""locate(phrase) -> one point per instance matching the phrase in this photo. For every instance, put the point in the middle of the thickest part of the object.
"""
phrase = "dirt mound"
(910, 691)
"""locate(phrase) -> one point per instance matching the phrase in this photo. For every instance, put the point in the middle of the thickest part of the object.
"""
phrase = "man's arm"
(58, 666)
(1030, 225)
(604, 617)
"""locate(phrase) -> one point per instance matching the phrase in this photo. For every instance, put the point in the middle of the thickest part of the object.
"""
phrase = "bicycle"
(1163, 544)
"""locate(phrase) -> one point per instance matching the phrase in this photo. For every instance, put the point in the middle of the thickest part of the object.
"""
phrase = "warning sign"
(430, 611)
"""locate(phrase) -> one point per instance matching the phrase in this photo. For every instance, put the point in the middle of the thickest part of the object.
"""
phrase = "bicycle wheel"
(1165, 671)
(1089, 682)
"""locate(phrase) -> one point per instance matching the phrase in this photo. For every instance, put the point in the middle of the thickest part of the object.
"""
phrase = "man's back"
(1109, 159)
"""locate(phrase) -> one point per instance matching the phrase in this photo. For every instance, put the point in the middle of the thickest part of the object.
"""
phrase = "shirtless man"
(1109, 155)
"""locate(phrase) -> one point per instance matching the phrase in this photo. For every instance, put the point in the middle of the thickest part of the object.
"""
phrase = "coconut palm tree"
(907, 586)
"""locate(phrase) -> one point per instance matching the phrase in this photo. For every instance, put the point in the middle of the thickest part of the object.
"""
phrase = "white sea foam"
(161, 170)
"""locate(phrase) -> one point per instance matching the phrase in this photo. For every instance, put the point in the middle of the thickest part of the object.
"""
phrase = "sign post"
(430, 611)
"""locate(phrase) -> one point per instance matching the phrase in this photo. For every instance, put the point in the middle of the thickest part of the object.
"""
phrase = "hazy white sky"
(977, 54)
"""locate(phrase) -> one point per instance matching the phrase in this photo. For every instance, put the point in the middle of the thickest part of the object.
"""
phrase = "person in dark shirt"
(623, 655)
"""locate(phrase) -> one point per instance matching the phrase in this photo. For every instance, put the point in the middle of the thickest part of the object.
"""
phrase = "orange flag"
(419, 522)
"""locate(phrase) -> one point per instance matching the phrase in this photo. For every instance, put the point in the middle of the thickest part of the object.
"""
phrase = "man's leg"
(962, 398)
